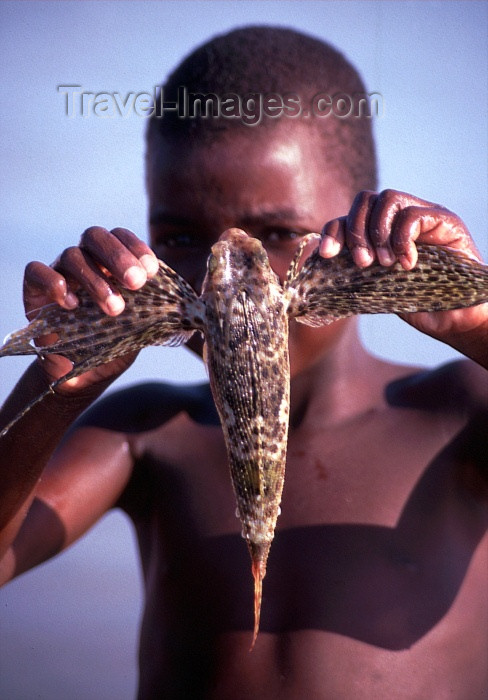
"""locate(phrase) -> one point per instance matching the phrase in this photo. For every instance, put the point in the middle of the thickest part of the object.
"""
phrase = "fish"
(243, 313)
(246, 340)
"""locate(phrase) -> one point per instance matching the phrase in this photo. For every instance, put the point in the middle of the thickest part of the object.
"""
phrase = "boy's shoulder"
(458, 386)
(457, 394)
(147, 406)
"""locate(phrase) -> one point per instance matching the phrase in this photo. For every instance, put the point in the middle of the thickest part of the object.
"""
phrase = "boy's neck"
(344, 381)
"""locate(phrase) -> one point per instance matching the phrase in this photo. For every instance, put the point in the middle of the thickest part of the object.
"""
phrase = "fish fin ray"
(294, 265)
(328, 289)
(166, 311)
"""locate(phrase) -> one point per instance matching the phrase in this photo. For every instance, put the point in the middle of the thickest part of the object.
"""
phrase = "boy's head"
(278, 179)
(257, 77)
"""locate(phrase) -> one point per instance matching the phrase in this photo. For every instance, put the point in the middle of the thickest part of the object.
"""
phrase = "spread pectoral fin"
(166, 311)
(328, 289)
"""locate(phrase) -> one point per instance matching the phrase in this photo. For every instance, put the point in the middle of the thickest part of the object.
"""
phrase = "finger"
(109, 251)
(141, 250)
(383, 214)
(43, 285)
(357, 224)
(77, 264)
(435, 225)
(333, 237)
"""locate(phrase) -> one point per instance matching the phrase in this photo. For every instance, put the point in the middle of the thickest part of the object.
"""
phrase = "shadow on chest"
(386, 586)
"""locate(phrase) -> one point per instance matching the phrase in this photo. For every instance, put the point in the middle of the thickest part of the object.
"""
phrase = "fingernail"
(115, 304)
(70, 300)
(406, 262)
(134, 277)
(362, 256)
(385, 256)
(329, 246)
(150, 263)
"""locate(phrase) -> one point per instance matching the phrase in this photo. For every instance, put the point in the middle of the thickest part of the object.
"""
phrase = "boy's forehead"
(244, 178)
(247, 143)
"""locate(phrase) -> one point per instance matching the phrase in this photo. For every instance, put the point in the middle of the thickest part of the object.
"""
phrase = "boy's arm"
(50, 495)
(83, 479)
(386, 227)
(37, 487)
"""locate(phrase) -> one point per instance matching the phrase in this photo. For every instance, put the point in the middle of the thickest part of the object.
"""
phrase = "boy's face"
(272, 183)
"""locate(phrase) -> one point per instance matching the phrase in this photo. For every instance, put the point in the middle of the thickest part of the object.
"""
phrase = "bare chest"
(381, 497)
(376, 544)
(363, 471)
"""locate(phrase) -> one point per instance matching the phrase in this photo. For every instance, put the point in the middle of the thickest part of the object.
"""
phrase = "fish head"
(239, 282)
(238, 263)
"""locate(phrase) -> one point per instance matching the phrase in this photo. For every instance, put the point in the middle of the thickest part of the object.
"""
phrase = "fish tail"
(258, 571)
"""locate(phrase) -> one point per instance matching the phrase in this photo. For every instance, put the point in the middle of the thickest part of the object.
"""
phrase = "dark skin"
(376, 583)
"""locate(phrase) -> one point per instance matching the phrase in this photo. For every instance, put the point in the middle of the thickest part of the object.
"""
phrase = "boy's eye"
(177, 240)
(277, 236)
(281, 235)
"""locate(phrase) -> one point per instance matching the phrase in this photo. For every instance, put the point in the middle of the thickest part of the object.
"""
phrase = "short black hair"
(272, 60)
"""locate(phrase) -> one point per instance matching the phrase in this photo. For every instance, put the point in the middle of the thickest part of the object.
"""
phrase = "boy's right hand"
(100, 255)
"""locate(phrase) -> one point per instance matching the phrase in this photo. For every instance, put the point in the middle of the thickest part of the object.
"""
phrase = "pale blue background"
(69, 629)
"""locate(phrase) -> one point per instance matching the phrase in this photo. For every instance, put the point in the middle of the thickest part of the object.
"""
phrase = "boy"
(377, 576)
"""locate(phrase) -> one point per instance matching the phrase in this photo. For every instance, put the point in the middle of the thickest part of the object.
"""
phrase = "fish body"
(246, 338)
(243, 314)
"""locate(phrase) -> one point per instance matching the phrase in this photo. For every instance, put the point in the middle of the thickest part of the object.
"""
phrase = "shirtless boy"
(377, 578)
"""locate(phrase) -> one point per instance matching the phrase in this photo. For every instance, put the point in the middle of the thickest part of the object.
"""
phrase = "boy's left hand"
(386, 227)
